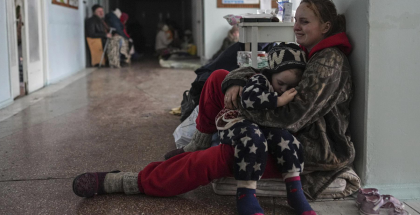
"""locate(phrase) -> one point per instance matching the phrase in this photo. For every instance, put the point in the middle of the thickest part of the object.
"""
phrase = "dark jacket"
(95, 28)
(114, 22)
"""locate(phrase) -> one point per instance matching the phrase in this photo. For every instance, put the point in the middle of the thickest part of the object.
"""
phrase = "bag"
(187, 105)
(184, 132)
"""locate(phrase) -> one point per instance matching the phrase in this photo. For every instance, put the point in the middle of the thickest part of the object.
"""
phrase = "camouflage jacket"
(318, 115)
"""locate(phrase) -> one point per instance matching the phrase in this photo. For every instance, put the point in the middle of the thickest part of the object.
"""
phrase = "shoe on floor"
(90, 184)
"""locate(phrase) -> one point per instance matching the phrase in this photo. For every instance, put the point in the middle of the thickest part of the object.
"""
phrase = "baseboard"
(400, 191)
(6, 103)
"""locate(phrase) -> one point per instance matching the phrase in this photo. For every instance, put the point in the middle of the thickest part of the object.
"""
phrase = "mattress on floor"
(180, 62)
(273, 187)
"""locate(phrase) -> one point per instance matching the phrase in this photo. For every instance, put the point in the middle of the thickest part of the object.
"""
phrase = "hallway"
(104, 120)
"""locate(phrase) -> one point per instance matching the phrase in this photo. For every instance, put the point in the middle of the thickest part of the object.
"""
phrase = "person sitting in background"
(232, 37)
(95, 26)
(163, 39)
(118, 44)
(124, 18)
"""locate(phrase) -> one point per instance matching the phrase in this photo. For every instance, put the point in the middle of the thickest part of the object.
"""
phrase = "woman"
(118, 44)
(163, 39)
(319, 114)
(231, 38)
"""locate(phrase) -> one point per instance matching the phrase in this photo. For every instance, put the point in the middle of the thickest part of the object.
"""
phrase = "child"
(265, 92)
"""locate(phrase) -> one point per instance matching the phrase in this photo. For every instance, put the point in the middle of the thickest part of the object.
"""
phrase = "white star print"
(230, 135)
(243, 130)
(256, 90)
(253, 149)
(280, 161)
(295, 154)
(237, 152)
(222, 134)
(242, 165)
(257, 131)
(270, 136)
(233, 143)
(296, 142)
(257, 166)
(249, 103)
(266, 147)
(249, 89)
(302, 165)
(245, 140)
(264, 97)
(294, 169)
(284, 144)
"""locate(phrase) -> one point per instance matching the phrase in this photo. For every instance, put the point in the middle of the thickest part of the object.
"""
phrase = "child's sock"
(247, 203)
(296, 198)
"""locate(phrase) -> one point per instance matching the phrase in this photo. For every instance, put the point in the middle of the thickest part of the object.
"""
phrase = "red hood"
(339, 40)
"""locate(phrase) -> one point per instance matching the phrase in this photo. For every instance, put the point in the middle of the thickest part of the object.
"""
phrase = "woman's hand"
(286, 97)
(231, 96)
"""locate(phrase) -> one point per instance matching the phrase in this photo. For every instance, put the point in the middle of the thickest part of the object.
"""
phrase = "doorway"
(145, 17)
(26, 47)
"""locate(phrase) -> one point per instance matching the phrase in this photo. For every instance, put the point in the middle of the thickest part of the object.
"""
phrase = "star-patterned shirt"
(258, 94)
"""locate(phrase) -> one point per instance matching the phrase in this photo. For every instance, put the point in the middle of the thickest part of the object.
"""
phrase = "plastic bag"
(233, 19)
(185, 131)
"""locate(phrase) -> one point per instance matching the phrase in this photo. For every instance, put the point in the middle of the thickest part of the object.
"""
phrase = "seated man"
(95, 26)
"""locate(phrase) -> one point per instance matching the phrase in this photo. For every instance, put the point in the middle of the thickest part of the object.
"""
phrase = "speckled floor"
(109, 119)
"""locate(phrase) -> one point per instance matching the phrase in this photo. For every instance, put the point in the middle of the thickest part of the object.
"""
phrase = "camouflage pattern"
(319, 117)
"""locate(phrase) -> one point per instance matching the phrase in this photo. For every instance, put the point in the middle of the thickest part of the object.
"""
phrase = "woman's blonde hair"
(326, 12)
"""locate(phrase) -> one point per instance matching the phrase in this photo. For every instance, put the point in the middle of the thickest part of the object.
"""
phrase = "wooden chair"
(96, 50)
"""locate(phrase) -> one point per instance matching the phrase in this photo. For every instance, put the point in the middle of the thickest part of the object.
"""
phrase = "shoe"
(391, 199)
(90, 184)
(365, 192)
(375, 205)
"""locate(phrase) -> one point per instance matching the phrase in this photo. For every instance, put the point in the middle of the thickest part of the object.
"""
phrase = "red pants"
(187, 171)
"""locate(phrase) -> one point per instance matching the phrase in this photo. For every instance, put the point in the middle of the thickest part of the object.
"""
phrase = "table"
(251, 33)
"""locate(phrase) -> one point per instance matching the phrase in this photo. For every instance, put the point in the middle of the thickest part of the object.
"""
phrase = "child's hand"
(286, 97)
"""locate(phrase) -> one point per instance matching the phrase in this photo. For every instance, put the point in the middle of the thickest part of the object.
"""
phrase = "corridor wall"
(5, 90)
(66, 41)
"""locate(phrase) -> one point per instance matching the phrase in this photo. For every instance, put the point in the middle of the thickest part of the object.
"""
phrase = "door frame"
(44, 40)
(43, 46)
(13, 44)
(198, 26)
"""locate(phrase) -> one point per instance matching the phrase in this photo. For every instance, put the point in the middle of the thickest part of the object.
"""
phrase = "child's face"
(284, 80)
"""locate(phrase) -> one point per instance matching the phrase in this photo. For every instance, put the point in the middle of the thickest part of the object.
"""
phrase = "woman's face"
(308, 28)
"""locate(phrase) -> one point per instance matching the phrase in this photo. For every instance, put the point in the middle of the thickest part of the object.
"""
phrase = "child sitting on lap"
(272, 88)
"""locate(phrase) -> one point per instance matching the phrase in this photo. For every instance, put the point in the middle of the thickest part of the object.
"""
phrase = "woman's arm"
(233, 84)
(320, 90)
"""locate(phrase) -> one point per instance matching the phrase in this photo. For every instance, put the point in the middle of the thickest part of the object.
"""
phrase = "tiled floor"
(100, 121)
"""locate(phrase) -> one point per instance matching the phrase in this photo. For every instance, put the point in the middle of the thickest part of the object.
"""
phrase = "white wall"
(66, 43)
(216, 27)
(357, 13)
(385, 117)
(393, 119)
(5, 92)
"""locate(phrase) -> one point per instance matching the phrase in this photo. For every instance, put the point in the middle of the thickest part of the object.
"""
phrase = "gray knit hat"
(285, 56)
